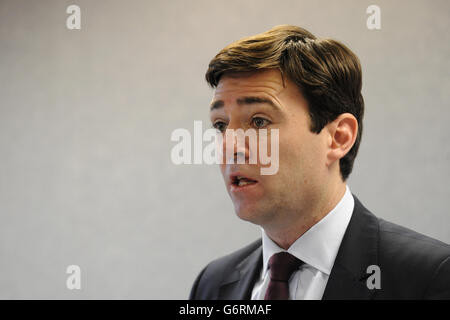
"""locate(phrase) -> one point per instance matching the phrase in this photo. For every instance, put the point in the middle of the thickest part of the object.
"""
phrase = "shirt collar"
(319, 245)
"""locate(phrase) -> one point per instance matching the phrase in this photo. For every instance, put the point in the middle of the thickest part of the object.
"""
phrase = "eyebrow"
(245, 101)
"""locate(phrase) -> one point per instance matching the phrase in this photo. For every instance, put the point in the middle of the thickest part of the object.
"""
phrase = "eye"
(220, 125)
(259, 122)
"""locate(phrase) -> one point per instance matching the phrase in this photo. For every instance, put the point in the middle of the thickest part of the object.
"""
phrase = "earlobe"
(343, 131)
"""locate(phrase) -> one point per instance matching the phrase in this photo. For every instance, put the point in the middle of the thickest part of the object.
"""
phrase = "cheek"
(292, 149)
(299, 155)
(291, 163)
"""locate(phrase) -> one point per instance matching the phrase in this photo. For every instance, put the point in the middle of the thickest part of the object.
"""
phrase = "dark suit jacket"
(412, 266)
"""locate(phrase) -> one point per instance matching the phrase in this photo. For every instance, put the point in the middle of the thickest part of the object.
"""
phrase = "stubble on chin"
(258, 215)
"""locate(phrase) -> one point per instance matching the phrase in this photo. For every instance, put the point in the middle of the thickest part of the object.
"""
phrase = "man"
(318, 240)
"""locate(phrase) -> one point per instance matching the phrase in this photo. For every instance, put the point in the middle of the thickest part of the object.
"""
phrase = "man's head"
(307, 88)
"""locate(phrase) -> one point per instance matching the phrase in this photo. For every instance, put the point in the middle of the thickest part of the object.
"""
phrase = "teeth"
(243, 182)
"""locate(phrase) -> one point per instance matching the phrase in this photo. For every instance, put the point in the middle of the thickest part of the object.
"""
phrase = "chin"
(250, 213)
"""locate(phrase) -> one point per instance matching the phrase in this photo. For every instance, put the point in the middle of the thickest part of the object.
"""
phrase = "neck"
(286, 234)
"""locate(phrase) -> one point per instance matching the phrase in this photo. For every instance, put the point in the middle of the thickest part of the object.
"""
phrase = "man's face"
(239, 103)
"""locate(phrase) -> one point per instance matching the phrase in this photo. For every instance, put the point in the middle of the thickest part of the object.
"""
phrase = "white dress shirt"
(317, 248)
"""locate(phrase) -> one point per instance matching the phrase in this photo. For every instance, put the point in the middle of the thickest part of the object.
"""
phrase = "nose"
(235, 146)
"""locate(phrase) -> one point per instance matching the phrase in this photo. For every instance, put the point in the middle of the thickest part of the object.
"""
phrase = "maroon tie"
(281, 265)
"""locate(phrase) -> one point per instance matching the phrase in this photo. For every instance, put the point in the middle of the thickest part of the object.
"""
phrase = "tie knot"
(282, 265)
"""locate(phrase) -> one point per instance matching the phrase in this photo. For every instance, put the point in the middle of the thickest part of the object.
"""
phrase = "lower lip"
(247, 187)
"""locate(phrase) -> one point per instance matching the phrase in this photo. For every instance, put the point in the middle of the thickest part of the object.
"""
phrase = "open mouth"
(240, 181)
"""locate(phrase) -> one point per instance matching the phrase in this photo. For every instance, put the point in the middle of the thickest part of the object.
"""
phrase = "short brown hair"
(327, 73)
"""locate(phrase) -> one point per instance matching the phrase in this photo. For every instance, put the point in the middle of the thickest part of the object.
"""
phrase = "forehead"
(269, 82)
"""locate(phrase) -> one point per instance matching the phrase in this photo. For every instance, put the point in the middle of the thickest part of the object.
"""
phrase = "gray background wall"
(86, 117)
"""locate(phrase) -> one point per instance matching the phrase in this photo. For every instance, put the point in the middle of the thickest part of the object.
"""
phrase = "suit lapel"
(238, 285)
(358, 250)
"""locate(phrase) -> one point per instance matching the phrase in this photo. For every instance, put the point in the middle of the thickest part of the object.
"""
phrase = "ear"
(342, 135)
